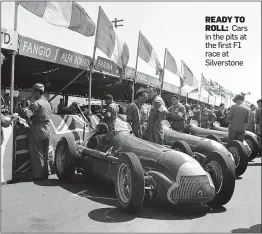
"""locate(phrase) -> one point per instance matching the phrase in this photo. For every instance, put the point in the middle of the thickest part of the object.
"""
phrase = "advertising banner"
(9, 39)
(43, 51)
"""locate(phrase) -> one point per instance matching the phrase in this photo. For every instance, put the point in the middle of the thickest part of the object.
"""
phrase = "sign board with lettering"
(170, 88)
(43, 51)
(9, 39)
(148, 80)
(106, 65)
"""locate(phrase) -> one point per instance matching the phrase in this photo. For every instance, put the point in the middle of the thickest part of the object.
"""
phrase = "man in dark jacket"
(251, 126)
(221, 114)
(39, 113)
(177, 114)
(134, 112)
(155, 131)
(238, 119)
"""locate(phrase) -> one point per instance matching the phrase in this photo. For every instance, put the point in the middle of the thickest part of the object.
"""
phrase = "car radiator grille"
(193, 190)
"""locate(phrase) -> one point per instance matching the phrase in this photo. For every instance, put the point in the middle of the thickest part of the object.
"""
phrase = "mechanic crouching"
(204, 117)
(177, 114)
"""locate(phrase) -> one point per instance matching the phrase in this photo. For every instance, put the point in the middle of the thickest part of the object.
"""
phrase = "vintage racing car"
(251, 138)
(198, 146)
(221, 137)
(140, 169)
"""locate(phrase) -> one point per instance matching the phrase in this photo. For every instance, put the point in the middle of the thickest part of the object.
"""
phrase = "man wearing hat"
(154, 131)
(177, 114)
(237, 119)
(111, 112)
(39, 113)
(204, 116)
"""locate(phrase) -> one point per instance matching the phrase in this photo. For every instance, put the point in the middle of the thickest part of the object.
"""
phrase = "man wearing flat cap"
(111, 112)
(177, 114)
(237, 119)
(154, 130)
(39, 113)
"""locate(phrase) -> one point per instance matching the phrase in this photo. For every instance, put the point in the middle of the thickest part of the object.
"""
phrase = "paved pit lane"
(54, 206)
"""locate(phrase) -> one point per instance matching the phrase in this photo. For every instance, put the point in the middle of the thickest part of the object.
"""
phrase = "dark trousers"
(233, 135)
(38, 150)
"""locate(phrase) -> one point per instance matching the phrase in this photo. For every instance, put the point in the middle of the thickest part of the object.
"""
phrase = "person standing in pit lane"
(134, 112)
(154, 131)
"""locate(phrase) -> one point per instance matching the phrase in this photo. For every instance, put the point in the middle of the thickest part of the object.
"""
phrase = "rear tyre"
(130, 183)
(254, 146)
(65, 158)
(183, 147)
(222, 171)
(214, 138)
(240, 156)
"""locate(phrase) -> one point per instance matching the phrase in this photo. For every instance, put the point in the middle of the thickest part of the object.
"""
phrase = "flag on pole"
(214, 86)
(147, 53)
(222, 90)
(170, 64)
(110, 42)
(188, 75)
(63, 14)
(205, 83)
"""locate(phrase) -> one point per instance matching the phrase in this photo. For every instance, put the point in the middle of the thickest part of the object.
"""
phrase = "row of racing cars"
(197, 167)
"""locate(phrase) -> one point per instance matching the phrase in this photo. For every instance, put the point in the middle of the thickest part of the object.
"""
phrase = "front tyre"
(222, 171)
(183, 147)
(237, 149)
(254, 146)
(130, 183)
(65, 158)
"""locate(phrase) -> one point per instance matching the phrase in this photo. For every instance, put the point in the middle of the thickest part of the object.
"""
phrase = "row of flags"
(72, 16)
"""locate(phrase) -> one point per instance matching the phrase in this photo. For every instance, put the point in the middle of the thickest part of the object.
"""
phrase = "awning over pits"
(28, 71)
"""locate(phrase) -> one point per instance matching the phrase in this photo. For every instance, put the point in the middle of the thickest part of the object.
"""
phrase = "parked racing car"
(219, 136)
(139, 168)
(198, 146)
(251, 139)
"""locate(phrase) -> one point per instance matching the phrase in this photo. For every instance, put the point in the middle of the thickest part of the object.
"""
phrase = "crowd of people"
(145, 115)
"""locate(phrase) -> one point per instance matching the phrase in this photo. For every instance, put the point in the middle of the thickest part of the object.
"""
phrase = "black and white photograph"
(128, 117)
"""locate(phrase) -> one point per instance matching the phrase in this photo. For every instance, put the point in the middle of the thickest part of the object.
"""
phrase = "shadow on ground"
(103, 193)
(253, 229)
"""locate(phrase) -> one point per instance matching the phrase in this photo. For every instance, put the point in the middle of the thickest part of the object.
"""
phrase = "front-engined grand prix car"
(140, 169)
(199, 146)
(219, 136)
(251, 139)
